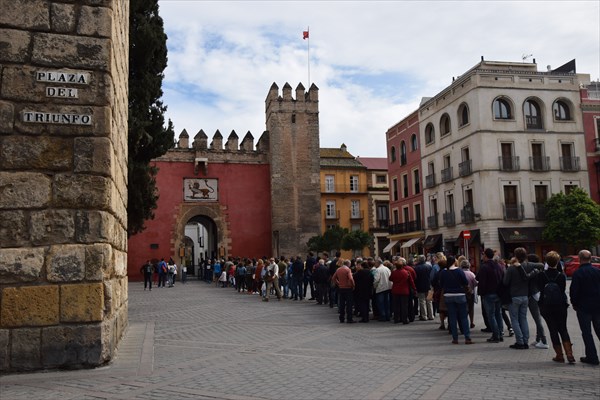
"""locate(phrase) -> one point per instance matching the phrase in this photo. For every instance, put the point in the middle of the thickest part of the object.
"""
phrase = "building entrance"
(199, 243)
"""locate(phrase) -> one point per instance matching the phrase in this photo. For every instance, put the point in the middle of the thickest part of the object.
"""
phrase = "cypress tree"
(148, 136)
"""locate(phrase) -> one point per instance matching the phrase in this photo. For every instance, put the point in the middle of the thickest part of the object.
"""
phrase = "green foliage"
(356, 241)
(572, 219)
(337, 238)
(148, 138)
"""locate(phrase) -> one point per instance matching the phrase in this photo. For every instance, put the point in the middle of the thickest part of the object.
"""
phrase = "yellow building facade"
(344, 194)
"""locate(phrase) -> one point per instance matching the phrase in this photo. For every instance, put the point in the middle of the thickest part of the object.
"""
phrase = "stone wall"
(293, 132)
(63, 182)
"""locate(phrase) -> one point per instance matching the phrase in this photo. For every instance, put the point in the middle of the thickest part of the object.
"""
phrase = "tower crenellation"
(217, 142)
(232, 141)
(200, 141)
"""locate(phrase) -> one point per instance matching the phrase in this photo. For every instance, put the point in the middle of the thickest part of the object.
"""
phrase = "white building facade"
(495, 144)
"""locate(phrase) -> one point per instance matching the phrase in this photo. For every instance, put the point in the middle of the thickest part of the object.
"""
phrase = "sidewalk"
(196, 341)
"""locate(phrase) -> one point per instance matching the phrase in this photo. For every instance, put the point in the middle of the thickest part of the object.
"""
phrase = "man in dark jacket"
(423, 284)
(585, 298)
(489, 277)
(311, 261)
(297, 278)
(321, 278)
(363, 281)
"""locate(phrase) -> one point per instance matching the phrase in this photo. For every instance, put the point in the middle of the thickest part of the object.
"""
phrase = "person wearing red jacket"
(402, 284)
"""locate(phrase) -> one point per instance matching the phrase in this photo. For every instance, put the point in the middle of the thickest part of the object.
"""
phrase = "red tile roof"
(374, 162)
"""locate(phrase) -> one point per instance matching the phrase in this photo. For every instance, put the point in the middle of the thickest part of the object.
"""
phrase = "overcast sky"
(373, 61)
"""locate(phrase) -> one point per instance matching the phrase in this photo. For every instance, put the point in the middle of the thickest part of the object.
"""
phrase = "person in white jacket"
(383, 288)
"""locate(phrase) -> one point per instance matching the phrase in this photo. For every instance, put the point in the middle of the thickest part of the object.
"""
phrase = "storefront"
(528, 238)
(433, 244)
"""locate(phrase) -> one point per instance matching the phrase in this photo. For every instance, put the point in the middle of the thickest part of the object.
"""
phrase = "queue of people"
(400, 292)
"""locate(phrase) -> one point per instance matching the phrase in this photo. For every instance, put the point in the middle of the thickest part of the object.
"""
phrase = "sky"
(373, 61)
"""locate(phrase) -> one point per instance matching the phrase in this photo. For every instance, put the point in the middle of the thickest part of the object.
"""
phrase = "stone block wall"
(63, 182)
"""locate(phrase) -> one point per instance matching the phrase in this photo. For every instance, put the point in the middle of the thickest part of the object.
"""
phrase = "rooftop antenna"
(524, 57)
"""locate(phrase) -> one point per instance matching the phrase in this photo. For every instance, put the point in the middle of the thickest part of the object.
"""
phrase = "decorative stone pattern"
(63, 182)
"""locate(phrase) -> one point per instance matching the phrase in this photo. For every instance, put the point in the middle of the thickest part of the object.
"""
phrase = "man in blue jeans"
(517, 279)
(489, 277)
(585, 298)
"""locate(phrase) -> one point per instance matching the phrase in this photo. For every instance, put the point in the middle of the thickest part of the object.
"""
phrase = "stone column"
(63, 182)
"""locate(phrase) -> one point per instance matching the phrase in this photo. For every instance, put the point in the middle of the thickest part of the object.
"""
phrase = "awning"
(390, 246)
(520, 235)
(474, 237)
(410, 242)
(432, 241)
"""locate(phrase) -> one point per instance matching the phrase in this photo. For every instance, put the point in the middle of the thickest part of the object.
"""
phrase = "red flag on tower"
(304, 34)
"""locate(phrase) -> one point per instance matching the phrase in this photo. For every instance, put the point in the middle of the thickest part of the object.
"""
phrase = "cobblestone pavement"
(196, 341)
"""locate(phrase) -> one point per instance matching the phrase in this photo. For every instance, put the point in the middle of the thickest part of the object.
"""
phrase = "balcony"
(447, 174)
(513, 212)
(405, 227)
(467, 215)
(510, 164)
(449, 218)
(539, 163)
(430, 181)
(357, 214)
(569, 164)
(540, 211)
(533, 122)
(465, 168)
(383, 223)
(332, 215)
(432, 222)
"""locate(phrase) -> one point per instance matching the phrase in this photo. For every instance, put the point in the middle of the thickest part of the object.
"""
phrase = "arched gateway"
(251, 201)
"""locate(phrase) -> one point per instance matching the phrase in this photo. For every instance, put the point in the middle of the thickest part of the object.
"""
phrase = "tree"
(356, 241)
(148, 137)
(572, 219)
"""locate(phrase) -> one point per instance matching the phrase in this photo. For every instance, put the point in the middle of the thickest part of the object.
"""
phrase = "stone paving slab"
(196, 341)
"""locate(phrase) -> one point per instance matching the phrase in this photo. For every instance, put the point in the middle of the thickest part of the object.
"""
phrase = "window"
(382, 215)
(396, 217)
(293, 118)
(508, 162)
(538, 161)
(329, 183)
(355, 209)
(393, 154)
(406, 215)
(402, 153)
(395, 189)
(541, 195)
(404, 185)
(432, 220)
(533, 115)
(429, 134)
(354, 183)
(381, 179)
(561, 111)
(430, 177)
(502, 109)
(447, 170)
(568, 161)
(463, 114)
(413, 143)
(445, 125)
(512, 211)
(330, 209)
(569, 188)
(416, 181)
(418, 215)
(465, 167)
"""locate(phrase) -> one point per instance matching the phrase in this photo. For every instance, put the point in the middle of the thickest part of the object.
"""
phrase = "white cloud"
(372, 61)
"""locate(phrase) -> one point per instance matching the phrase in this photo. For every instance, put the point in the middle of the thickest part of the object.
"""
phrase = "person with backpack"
(162, 272)
(553, 307)
(147, 270)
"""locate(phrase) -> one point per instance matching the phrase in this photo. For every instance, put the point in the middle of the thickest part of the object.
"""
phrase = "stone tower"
(293, 132)
(63, 182)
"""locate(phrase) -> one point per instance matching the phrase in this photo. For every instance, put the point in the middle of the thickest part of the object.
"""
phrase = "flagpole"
(308, 55)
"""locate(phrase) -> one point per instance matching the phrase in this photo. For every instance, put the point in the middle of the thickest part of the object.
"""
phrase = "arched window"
(533, 115)
(413, 143)
(429, 133)
(393, 154)
(561, 111)
(402, 153)
(444, 125)
(463, 114)
(502, 109)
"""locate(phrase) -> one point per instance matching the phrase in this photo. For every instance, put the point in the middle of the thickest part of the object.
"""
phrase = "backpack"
(553, 296)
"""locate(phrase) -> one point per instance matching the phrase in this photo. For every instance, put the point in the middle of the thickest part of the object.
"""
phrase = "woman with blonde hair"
(553, 307)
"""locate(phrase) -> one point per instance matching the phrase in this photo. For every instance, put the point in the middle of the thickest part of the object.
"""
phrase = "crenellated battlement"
(232, 150)
(304, 101)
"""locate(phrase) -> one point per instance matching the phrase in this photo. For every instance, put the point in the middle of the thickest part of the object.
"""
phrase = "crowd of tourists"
(402, 291)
